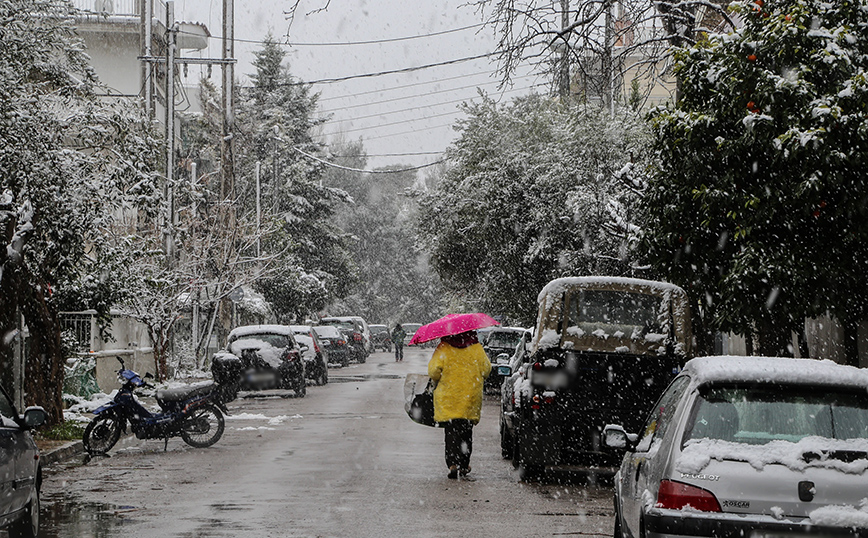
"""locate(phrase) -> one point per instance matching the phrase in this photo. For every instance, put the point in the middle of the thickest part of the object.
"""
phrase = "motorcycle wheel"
(204, 427)
(101, 434)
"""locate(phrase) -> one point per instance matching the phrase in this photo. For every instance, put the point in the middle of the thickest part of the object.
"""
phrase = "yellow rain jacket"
(459, 373)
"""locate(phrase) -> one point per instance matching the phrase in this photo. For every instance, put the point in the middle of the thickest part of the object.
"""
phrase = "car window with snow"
(763, 413)
(605, 312)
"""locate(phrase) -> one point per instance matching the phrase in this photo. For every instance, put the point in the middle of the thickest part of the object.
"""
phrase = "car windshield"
(763, 413)
(345, 325)
(326, 331)
(503, 339)
(256, 340)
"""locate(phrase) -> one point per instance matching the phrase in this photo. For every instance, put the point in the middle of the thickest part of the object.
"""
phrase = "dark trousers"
(399, 352)
(459, 443)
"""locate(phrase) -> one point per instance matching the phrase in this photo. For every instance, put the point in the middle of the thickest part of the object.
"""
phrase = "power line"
(287, 43)
(415, 96)
(340, 167)
(399, 111)
(392, 71)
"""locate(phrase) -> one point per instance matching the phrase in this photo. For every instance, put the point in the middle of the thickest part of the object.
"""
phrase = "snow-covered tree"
(395, 283)
(536, 192)
(71, 166)
(758, 206)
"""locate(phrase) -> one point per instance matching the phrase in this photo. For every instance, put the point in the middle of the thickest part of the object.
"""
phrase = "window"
(610, 311)
(661, 415)
(762, 413)
(7, 410)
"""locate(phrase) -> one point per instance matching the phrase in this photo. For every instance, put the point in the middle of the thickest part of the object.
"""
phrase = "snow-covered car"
(261, 357)
(748, 447)
(410, 329)
(357, 335)
(20, 471)
(335, 342)
(314, 354)
(603, 351)
(380, 337)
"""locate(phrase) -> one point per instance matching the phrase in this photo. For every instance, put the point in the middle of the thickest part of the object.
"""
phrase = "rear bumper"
(680, 524)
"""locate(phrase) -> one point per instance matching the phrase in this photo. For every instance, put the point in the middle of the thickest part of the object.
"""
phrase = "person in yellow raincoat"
(459, 366)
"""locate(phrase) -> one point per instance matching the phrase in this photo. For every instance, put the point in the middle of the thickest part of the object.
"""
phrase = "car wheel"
(301, 388)
(528, 472)
(27, 526)
(506, 446)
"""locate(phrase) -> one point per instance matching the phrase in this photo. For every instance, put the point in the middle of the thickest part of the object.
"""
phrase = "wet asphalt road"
(343, 461)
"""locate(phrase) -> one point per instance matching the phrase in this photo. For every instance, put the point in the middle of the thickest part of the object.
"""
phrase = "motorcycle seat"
(185, 393)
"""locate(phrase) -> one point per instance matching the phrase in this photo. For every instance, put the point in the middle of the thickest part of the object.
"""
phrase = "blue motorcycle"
(193, 413)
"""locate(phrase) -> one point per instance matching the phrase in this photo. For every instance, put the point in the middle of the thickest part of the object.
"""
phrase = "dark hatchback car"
(261, 357)
(354, 332)
(20, 471)
(380, 337)
(334, 343)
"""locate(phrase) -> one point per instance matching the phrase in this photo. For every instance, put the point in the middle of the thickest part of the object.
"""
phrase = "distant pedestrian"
(459, 366)
(398, 335)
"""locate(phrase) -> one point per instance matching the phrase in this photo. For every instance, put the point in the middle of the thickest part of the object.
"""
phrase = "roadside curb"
(62, 453)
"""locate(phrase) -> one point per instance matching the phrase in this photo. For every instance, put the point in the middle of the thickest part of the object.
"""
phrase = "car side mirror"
(34, 417)
(504, 370)
(615, 436)
(303, 348)
(503, 358)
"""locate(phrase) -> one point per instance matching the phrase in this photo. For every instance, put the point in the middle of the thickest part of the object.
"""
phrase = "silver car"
(748, 447)
(20, 472)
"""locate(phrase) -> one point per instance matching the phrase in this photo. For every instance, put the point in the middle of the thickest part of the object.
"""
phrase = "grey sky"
(407, 113)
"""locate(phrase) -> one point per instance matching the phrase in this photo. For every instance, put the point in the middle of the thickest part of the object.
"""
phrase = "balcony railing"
(124, 8)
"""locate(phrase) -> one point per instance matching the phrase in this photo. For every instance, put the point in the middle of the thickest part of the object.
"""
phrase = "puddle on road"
(66, 516)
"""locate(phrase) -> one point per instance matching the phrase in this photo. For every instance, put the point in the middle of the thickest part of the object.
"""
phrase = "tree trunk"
(804, 351)
(44, 371)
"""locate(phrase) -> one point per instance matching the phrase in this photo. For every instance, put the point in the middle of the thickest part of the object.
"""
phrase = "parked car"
(334, 341)
(315, 357)
(500, 344)
(604, 349)
(748, 446)
(20, 471)
(260, 357)
(410, 329)
(355, 330)
(380, 337)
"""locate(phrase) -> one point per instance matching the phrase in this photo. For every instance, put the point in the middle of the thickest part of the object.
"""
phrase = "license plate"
(260, 377)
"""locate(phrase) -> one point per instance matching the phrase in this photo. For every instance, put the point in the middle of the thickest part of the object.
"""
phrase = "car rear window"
(760, 414)
(326, 331)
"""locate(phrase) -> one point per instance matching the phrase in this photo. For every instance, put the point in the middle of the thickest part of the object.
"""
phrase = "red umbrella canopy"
(452, 324)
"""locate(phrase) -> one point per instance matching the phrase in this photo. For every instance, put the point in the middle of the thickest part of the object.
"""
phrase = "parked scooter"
(192, 412)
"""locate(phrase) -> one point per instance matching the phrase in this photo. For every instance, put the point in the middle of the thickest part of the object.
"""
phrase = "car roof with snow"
(249, 330)
(559, 285)
(784, 370)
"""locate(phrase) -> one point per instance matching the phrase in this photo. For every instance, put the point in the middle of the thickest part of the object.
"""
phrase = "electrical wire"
(340, 167)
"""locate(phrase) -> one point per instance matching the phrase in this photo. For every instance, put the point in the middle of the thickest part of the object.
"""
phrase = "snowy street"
(343, 461)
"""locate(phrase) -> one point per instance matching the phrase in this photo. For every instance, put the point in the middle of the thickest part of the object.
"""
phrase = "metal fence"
(80, 327)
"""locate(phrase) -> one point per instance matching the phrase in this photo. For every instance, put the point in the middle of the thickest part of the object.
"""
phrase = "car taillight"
(357, 337)
(540, 399)
(315, 347)
(678, 495)
(341, 342)
(537, 366)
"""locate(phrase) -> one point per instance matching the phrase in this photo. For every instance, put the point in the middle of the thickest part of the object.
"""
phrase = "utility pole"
(227, 183)
(172, 44)
(147, 38)
(608, 60)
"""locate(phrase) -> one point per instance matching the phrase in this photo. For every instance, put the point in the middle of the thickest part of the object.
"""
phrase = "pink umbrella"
(452, 324)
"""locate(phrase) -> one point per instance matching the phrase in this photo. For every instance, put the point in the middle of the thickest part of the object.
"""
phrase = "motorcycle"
(194, 413)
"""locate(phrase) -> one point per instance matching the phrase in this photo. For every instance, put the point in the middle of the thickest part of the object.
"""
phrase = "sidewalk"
(51, 452)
